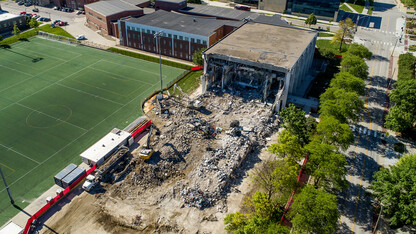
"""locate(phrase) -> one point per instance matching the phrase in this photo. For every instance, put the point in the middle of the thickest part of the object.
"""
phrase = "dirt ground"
(198, 173)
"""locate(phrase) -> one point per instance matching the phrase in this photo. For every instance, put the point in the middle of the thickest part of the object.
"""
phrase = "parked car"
(20, 3)
(36, 16)
(56, 8)
(28, 4)
(46, 19)
(62, 23)
(80, 37)
(35, 10)
(79, 12)
(41, 18)
(23, 13)
(242, 8)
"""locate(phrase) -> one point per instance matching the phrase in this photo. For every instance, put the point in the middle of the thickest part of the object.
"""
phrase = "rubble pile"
(201, 147)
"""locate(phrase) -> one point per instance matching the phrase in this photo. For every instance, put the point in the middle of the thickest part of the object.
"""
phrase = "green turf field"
(55, 101)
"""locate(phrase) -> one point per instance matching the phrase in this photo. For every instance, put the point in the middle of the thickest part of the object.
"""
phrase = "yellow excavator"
(146, 152)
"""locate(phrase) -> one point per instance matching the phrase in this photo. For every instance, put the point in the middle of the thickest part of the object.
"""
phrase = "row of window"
(99, 18)
(165, 51)
(10, 23)
(203, 42)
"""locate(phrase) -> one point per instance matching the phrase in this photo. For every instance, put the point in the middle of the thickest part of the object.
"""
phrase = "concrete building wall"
(7, 25)
(272, 5)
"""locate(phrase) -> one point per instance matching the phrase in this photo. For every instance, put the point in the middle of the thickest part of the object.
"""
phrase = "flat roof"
(217, 12)
(136, 2)
(11, 228)
(279, 46)
(6, 16)
(173, 1)
(111, 7)
(105, 145)
(197, 25)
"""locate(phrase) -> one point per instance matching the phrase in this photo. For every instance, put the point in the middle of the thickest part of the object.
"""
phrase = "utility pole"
(7, 187)
(157, 37)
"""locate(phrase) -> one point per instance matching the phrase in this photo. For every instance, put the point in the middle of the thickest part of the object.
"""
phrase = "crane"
(146, 152)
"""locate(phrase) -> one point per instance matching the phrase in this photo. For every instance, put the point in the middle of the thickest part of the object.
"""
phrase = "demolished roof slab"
(269, 46)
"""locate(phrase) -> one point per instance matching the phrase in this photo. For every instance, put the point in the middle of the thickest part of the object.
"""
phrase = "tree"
(34, 24)
(311, 20)
(406, 69)
(275, 176)
(345, 31)
(294, 121)
(332, 131)
(354, 65)
(327, 167)
(314, 210)
(260, 215)
(395, 188)
(197, 57)
(16, 31)
(288, 148)
(1, 39)
(343, 105)
(403, 114)
(360, 51)
(194, 1)
(351, 83)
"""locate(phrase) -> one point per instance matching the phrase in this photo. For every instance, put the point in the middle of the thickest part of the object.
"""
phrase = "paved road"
(368, 152)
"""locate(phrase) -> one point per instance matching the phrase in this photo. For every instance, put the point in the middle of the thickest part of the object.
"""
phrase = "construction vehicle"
(146, 152)
(191, 103)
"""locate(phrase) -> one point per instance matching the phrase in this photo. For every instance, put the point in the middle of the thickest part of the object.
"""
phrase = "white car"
(365, 131)
(80, 37)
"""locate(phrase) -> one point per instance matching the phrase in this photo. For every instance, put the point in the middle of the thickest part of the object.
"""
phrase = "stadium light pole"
(7, 187)
(157, 37)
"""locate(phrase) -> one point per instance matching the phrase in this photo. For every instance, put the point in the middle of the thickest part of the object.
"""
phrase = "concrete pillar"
(286, 91)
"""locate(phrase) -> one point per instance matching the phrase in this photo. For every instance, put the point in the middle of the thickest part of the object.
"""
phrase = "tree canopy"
(197, 57)
(351, 83)
(326, 165)
(345, 31)
(314, 210)
(395, 188)
(332, 131)
(311, 20)
(343, 105)
(294, 121)
(403, 114)
(406, 69)
(16, 31)
(288, 148)
(34, 24)
(355, 65)
(360, 51)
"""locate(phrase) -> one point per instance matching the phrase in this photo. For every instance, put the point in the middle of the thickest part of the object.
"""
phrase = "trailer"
(72, 177)
(58, 178)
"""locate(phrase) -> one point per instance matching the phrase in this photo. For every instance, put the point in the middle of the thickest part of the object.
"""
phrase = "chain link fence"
(71, 41)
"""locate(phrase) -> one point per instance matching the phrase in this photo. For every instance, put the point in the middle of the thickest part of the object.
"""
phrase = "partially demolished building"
(269, 58)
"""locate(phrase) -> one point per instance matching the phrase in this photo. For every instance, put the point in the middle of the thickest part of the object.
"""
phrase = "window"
(148, 39)
(134, 44)
(143, 30)
(175, 45)
(186, 39)
(204, 42)
(186, 46)
(180, 54)
(133, 35)
(170, 43)
(148, 31)
(180, 37)
(164, 42)
(192, 40)
(175, 37)
(153, 32)
(198, 41)
(128, 35)
(128, 27)
(180, 46)
(170, 35)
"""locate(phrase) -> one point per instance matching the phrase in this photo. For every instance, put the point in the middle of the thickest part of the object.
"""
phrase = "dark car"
(35, 10)
(20, 3)
(28, 4)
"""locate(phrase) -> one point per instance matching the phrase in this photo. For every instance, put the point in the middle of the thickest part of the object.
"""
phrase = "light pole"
(7, 187)
(157, 37)
(378, 219)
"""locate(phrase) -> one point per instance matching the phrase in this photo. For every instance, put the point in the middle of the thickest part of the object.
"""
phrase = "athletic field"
(55, 101)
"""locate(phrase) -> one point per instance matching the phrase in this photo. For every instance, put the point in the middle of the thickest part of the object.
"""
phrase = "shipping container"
(58, 178)
(72, 177)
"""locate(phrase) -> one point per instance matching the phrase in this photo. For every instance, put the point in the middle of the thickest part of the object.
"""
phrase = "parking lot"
(76, 23)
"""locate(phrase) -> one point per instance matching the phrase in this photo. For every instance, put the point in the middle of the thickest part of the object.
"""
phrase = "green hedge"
(406, 67)
(150, 58)
(31, 33)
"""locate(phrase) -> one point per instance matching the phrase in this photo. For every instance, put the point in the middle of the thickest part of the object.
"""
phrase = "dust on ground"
(196, 176)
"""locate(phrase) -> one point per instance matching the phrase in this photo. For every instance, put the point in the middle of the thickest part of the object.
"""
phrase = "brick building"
(103, 15)
(182, 34)
(80, 4)
(7, 22)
